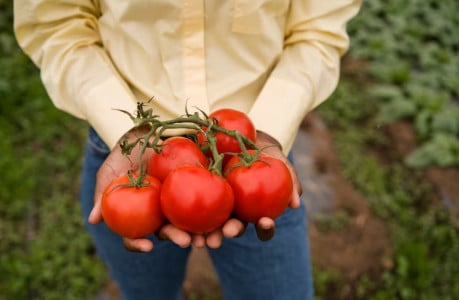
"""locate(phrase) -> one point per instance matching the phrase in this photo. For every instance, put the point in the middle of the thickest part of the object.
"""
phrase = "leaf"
(396, 109)
(442, 150)
(422, 123)
(392, 69)
(426, 96)
(447, 120)
(386, 92)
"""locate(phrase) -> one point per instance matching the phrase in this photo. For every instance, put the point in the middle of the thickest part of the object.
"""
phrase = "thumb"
(95, 216)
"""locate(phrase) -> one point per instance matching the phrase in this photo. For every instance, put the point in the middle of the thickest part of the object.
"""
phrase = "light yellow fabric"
(273, 59)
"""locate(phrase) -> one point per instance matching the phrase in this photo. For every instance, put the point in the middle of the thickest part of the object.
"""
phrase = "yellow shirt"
(273, 59)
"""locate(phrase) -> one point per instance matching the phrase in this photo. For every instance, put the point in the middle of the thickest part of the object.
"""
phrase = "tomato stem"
(217, 164)
(190, 122)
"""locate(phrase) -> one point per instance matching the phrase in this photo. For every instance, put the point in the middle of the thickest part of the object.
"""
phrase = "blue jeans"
(247, 268)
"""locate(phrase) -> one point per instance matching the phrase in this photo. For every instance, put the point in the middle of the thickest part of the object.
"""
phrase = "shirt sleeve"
(62, 39)
(308, 69)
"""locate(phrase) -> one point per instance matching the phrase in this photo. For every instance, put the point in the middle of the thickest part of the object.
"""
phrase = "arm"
(305, 75)
(308, 69)
(62, 39)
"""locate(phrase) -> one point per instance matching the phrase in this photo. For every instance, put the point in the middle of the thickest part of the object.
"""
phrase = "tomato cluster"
(197, 183)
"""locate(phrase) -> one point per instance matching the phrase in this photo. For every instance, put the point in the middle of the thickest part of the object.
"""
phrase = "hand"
(272, 147)
(265, 226)
(116, 165)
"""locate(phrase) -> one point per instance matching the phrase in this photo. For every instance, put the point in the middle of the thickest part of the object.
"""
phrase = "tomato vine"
(195, 122)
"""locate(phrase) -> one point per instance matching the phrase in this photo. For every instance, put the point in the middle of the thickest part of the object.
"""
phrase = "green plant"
(425, 236)
(45, 252)
(414, 64)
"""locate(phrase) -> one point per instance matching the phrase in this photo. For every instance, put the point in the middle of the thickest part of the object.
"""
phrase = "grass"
(425, 235)
(46, 253)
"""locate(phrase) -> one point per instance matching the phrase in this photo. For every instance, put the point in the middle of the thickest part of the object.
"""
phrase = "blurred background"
(379, 161)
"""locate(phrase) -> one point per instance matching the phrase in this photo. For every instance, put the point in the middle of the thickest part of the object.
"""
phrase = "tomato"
(262, 189)
(132, 212)
(176, 151)
(230, 119)
(196, 200)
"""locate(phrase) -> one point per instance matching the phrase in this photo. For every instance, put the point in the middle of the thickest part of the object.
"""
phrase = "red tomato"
(176, 151)
(196, 200)
(261, 190)
(132, 212)
(230, 119)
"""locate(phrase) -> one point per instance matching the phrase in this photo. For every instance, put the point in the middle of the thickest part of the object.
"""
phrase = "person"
(276, 60)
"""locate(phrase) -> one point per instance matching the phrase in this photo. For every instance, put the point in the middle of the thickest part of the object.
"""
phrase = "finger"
(198, 241)
(265, 229)
(96, 213)
(95, 216)
(297, 190)
(104, 176)
(138, 245)
(175, 235)
(233, 228)
(295, 200)
(214, 239)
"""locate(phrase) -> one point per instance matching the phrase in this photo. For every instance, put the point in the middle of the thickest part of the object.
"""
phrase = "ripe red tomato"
(176, 151)
(132, 212)
(196, 200)
(261, 190)
(230, 119)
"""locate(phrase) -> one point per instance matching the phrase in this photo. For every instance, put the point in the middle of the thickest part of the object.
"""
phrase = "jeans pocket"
(96, 145)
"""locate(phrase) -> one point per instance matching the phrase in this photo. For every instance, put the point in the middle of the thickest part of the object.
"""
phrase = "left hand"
(265, 226)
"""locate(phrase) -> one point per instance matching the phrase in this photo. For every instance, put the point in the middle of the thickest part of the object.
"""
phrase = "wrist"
(266, 140)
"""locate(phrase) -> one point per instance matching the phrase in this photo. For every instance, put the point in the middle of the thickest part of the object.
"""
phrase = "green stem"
(188, 122)
(217, 165)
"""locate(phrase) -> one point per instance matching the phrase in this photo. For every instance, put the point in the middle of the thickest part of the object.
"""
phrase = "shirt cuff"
(100, 106)
(280, 108)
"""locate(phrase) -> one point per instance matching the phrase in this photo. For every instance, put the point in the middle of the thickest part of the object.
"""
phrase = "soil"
(345, 236)
(362, 245)
(357, 245)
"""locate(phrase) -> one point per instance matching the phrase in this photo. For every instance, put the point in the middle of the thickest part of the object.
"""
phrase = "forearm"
(308, 69)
